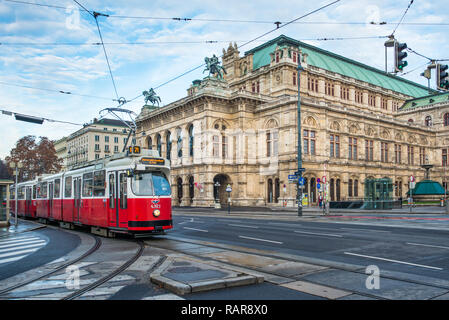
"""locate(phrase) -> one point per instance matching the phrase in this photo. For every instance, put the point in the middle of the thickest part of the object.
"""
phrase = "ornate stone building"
(242, 130)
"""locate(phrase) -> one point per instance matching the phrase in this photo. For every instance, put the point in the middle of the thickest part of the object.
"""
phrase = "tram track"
(108, 277)
(93, 249)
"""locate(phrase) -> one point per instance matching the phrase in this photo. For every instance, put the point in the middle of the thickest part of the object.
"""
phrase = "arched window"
(191, 140)
(150, 143)
(159, 144)
(356, 188)
(428, 121)
(446, 119)
(179, 137)
(168, 144)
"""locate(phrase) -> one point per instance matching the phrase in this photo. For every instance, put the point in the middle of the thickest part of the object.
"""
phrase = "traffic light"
(442, 77)
(399, 56)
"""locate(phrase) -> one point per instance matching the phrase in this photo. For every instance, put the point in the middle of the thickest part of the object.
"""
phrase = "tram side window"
(34, 192)
(99, 185)
(12, 193)
(42, 190)
(68, 187)
(21, 193)
(87, 184)
(123, 191)
(57, 188)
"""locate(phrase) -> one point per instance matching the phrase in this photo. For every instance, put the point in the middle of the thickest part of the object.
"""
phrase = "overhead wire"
(95, 15)
(402, 18)
(55, 90)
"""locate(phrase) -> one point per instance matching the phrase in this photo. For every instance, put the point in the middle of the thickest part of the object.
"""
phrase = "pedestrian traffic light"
(399, 56)
(442, 76)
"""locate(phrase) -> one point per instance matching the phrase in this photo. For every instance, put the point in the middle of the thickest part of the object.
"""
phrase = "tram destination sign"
(152, 161)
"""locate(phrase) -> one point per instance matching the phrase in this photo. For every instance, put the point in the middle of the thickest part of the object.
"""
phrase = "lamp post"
(17, 166)
(298, 189)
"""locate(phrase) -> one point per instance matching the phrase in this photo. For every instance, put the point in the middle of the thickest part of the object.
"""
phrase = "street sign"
(318, 186)
(301, 181)
(412, 185)
(324, 179)
(228, 188)
(299, 171)
(318, 180)
(412, 179)
(292, 177)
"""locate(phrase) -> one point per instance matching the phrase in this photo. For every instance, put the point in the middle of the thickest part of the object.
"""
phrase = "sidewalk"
(314, 211)
(23, 226)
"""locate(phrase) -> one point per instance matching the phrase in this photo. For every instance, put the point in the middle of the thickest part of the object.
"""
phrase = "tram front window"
(150, 184)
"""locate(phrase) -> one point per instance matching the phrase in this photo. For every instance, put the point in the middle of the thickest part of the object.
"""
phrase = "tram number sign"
(153, 161)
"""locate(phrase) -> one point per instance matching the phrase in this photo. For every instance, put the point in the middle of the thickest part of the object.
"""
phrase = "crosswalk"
(18, 247)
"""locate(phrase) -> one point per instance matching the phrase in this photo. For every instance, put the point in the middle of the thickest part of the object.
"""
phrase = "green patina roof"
(428, 187)
(425, 101)
(335, 63)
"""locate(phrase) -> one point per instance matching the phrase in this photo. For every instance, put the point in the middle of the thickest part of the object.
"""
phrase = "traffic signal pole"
(298, 189)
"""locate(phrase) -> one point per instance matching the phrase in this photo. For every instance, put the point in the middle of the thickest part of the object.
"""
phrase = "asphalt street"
(411, 253)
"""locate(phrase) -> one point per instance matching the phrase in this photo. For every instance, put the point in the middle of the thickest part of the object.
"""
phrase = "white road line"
(195, 229)
(22, 244)
(257, 239)
(320, 234)
(17, 252)
(23, 247)
(391, 260)
(427, 245)
(12, 259)
(354, 229)
(243, 226)
(19, 240)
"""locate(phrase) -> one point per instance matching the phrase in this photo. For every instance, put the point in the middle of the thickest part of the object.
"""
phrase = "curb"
(182, 288)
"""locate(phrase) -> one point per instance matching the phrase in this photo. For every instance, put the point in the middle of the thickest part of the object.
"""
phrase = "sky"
(147, 52)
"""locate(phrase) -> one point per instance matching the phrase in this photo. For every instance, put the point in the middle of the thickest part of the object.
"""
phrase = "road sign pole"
(298, 190)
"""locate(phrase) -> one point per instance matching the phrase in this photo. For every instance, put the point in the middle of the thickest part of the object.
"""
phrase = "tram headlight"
(156, 213)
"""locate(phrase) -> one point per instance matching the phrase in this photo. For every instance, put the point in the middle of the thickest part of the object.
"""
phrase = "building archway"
(220, 183)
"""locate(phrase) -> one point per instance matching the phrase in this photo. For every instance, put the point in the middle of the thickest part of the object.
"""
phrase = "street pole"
(298, 190)
(17, 172)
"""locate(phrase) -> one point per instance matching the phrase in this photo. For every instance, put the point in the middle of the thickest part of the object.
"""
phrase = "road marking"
(391, 260)
(320, 234)
(12, 259)
(23, 247)
(20, 240)
(17, 252)
(354, 229)
(243, 226)
(257, 239)
(22, 244)
(427, 245)
(195, 229)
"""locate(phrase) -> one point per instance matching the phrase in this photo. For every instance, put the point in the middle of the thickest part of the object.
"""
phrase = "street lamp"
(17, 166)
(298, 190)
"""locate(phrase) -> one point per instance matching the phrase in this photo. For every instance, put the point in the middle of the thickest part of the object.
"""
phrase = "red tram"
(126, 193)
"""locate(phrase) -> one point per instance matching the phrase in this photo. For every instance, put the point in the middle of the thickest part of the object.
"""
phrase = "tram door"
(50, 199)
(28, 201)
(77, 199)
(118, 199)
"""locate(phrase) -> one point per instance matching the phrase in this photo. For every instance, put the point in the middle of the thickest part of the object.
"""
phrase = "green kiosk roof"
(428, 187)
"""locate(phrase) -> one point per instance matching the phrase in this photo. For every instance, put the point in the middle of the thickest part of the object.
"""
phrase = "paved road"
(409, 253)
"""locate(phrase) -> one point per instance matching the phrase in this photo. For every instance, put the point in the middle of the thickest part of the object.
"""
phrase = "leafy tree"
(36, 157)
